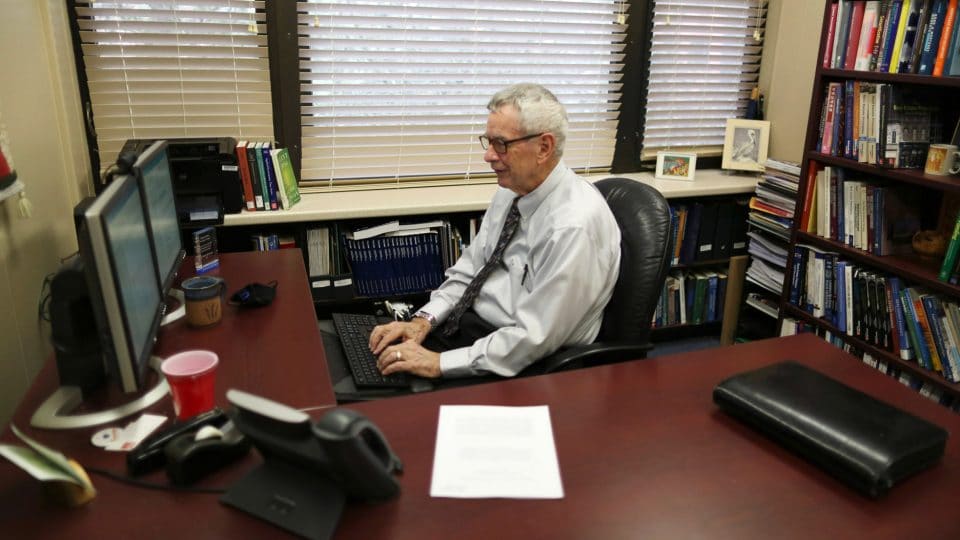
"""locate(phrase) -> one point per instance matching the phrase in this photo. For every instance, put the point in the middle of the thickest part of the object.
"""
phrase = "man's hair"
(538, 109)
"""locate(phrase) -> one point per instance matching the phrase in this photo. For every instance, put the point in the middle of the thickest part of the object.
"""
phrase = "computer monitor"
(114, 248)
(152, 171)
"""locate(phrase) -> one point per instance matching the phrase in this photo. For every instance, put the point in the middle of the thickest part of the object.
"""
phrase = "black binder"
(866, 443)
(707, 233)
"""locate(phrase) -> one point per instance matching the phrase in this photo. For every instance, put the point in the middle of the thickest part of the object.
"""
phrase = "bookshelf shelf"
(881, 354)
(850, 112)
(899, 78)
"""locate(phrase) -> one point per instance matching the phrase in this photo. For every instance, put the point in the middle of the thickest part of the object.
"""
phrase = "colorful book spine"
(890, 36)
(270, 176)
(931, 38)
(946, 36)
(899, 321)
(831, 35)
(913, 329)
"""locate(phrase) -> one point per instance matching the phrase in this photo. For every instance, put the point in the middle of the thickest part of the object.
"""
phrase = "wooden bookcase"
(913, 269)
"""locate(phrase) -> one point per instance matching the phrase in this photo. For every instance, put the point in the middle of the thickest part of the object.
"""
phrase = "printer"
(206, 181)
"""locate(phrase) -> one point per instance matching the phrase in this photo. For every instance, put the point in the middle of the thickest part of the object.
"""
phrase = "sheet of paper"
(490, 451)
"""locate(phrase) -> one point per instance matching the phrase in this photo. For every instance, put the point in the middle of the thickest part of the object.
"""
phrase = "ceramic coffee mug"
(204, 299)
(942, 159)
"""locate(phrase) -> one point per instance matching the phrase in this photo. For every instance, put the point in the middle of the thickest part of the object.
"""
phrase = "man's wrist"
(431, 320)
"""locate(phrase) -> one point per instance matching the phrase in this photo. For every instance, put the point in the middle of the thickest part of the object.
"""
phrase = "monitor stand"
(176, 301)
(55, 412)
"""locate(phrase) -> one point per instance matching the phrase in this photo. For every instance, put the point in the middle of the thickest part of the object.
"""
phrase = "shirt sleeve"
(569, 282)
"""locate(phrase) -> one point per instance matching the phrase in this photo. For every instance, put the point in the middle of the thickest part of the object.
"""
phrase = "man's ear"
(546, 148)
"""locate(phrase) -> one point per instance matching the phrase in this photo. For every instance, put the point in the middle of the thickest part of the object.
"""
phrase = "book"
(893, 291)
(255, 181)
(262, 174)
(931, 38)
(844, 15)
(206, 255)
(287, 179)
(868, 32)
(910, 54)
(890, 36)
(883, 12)
(946, 37)
(65, 481)
(899, 37)
(831, 35)
(271, 176)
(914, 330)
(244, 169)
(857, 9)
(950, 257)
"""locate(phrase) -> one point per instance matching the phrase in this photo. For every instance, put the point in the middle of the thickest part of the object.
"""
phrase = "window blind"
(195, 68)
(396, 91)
(704, 63)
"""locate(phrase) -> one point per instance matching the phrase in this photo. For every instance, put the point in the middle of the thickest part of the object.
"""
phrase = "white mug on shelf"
(942, 159)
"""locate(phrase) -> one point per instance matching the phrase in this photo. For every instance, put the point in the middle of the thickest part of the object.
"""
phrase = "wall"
(787, 70)
(40, 108)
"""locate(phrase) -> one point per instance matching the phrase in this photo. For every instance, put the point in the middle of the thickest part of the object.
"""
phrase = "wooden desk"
(644, 453)
(274, 351)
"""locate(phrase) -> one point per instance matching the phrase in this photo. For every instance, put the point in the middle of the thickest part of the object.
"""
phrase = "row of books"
(388, 259)
(769, 223)
(271, 241)
(894, 36)
(269, 181)
(880, 219)
(878, 123)
(704, 231)
(928, 389)
(879, 309)
(691, 297)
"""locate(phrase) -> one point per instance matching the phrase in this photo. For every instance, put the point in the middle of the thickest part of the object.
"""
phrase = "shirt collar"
(529, 203)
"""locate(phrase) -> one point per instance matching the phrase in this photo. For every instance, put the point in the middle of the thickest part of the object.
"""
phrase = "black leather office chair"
(645, 240)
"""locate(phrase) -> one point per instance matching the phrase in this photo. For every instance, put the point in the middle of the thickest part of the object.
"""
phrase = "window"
(397, 90)
(704, 63)
(175, 69)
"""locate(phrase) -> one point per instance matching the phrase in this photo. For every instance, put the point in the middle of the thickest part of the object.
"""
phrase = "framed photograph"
(676, 165)
(745, 144)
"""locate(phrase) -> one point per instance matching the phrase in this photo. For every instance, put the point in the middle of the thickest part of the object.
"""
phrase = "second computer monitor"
(152, 170)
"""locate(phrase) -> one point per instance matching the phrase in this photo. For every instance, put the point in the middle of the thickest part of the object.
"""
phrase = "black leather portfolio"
(866, 443)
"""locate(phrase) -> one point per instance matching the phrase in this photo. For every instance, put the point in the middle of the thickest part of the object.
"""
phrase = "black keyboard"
(354, 330)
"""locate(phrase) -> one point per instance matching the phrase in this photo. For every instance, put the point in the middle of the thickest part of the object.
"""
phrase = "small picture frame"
(745, 144)
(676, 165)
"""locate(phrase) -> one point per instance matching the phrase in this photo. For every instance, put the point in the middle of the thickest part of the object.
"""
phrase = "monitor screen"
(152, 170)
(119, 249)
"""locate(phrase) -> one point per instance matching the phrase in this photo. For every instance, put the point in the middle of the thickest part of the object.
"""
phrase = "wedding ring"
(399, 356)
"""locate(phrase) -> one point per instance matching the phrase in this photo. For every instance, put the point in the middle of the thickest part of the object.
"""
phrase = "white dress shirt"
(558, 274)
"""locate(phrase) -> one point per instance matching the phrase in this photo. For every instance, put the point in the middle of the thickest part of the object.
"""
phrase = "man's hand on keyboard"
(383, 335)
(411, 357)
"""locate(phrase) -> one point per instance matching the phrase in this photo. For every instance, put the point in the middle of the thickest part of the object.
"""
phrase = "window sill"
(411, 201)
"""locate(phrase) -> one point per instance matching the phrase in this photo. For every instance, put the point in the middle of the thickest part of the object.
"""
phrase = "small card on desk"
(866, 443)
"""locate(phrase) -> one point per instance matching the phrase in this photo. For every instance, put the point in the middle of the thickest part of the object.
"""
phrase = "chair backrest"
(643, 215)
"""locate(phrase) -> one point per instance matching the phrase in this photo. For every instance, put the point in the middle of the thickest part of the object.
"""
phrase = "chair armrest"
(593, 354)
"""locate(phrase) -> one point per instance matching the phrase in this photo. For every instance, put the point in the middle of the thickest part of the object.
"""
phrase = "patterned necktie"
(473, 289)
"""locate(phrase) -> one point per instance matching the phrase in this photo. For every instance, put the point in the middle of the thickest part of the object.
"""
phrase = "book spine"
(931, 310)
(244, 168)
(856, 29)
(946, 36)
(844, 14)
(913, 329)
(953, 248)
(257, 185)
(902, 340)
(926, 334)
(931, 38)
(831, 34)
(890, 36)
(898, 38)
(270, 177)
(878, 39)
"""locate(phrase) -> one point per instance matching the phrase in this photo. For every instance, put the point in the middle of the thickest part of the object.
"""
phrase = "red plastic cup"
(191, 375)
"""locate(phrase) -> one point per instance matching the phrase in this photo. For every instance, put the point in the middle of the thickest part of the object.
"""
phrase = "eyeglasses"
(500, 145)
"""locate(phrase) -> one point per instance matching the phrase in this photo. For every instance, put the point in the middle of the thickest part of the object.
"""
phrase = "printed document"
(490, 451)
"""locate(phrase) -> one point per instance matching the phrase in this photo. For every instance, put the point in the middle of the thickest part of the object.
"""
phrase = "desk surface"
(274, 351)
(643, 453)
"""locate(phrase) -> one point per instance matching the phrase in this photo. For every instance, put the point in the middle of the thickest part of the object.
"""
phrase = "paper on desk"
(489, 451)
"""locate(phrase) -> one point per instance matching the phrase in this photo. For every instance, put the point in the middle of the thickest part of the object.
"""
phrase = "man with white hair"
(540, 270)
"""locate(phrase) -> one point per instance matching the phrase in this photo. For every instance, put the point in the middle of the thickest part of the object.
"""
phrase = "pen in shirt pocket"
(523, 280)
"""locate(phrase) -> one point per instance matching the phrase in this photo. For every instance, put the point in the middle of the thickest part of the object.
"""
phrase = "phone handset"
(344, 444)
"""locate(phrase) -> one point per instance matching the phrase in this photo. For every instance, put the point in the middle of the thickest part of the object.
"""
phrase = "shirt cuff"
(456, 363)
